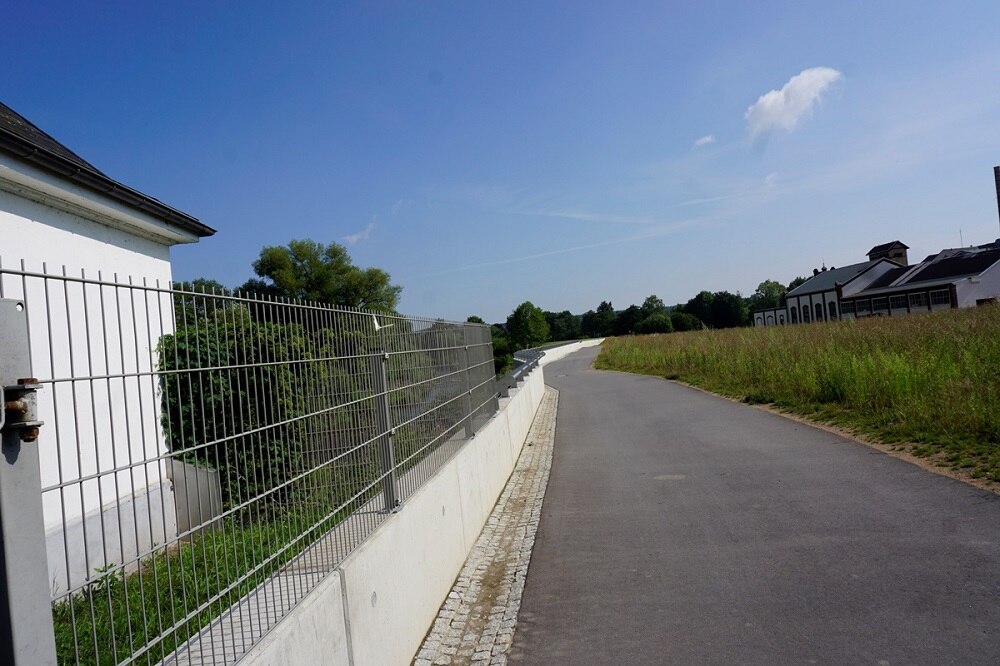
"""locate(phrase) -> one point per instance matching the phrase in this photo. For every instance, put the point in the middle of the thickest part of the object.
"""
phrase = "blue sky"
(564, 153)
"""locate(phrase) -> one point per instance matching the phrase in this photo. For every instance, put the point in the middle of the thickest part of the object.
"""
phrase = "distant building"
(953, 278)
(886, 286)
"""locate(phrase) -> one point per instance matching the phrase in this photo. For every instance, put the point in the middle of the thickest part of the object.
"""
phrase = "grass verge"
(928, 383)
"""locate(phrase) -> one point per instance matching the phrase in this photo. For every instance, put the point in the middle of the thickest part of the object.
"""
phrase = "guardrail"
(525, 361)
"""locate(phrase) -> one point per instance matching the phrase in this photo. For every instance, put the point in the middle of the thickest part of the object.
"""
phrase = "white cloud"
(705, 140)
(783, 109)
(355, 238)
(771, 179)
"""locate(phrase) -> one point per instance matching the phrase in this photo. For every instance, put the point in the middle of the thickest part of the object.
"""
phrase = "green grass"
(928, 382)
(182, 588)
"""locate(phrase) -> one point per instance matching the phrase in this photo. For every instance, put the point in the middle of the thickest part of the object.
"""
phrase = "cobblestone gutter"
(475, 626)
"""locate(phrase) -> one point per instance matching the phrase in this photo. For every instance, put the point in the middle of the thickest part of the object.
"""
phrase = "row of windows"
(916, 301)
(864, 307)
(817, 311)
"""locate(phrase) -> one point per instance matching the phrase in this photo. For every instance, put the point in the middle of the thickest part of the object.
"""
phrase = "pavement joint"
(477, 620)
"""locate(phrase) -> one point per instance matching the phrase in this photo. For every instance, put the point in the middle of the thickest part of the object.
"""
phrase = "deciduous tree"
(307, 270)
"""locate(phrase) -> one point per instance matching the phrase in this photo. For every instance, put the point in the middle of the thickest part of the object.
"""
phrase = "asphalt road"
(681, 528)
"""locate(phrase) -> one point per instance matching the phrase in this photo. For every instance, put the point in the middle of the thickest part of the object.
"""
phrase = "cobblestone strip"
(475, 626)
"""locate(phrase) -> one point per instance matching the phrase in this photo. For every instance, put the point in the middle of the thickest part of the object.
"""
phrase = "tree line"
(529, 326)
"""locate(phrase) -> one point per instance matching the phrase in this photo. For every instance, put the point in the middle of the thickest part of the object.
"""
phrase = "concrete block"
(314, 632)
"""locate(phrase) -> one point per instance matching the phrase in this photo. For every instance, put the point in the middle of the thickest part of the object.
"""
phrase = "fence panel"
(209, 457)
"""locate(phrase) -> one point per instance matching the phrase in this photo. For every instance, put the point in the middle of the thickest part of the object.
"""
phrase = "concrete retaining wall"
(375, 609)
(557, 353)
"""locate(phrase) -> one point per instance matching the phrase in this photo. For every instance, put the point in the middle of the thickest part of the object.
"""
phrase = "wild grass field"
(926, 383)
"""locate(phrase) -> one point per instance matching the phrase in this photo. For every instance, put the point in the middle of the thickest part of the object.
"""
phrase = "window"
(805, 314)
(819, 312)
(941, 297)
(795, 315)
(880, 304)
(781, 319)
(847, 308)
(832, 307)
(897, 302)
(864, 306)
(918, 301)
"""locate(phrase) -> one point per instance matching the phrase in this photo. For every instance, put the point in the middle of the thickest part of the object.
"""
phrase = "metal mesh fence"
(208, 458)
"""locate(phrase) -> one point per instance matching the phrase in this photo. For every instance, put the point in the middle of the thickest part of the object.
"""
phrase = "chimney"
(815, 272)
(996, 177)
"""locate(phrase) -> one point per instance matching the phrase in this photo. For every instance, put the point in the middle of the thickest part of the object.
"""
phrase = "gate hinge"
(20, 409)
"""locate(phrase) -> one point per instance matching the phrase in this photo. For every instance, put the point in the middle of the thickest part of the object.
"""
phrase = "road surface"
(681, 528)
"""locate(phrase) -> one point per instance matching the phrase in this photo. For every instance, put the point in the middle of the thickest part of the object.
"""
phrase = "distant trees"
(599, 323)
(563, 325)
(720, 309)
(682, 321)
(627, 320)
(655, 323)
(308, 270)
(769, 294)
(796, 282)
(526, 326)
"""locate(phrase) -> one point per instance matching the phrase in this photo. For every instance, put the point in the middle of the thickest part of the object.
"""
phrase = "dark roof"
(21, 138)
(957, 266)
(888, 278)
(885, 247)
(828, 280)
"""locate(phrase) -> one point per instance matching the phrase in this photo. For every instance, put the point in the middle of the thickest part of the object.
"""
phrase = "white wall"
(988, 286)
(562, 351)
(79, 330)
(389, 590)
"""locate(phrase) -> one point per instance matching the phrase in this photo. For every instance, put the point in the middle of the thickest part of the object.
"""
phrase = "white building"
(952, 278)
(105, 495)
(886, 286)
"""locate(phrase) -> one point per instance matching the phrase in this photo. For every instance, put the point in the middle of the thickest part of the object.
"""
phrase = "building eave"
(29, 182)
(97, 182)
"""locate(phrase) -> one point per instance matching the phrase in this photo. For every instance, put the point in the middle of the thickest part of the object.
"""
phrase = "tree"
(503, 355)
(658, 322)
(796, 282)
(769, 294)
(306, 270)
(652, 305)
(719, 310)
(626, 321)
(473, 319)
(526, 326)
(682, 321)
(563, 325)
(728, 310)
(599, 323)
(701, 306)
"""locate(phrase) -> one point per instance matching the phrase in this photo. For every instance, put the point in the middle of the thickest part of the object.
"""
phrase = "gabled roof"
(959, 265)
(888, 278)
(828, 280)
(885, 247)
(22, 139)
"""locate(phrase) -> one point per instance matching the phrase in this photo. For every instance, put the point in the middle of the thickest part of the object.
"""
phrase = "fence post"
(470, 429)
(383, 424)
(26, 634)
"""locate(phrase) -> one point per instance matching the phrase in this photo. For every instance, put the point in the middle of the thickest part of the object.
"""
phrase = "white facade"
(78, 330)
(981, 287)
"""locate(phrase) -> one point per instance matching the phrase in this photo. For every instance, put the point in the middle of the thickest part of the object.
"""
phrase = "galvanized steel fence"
(207, 458)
